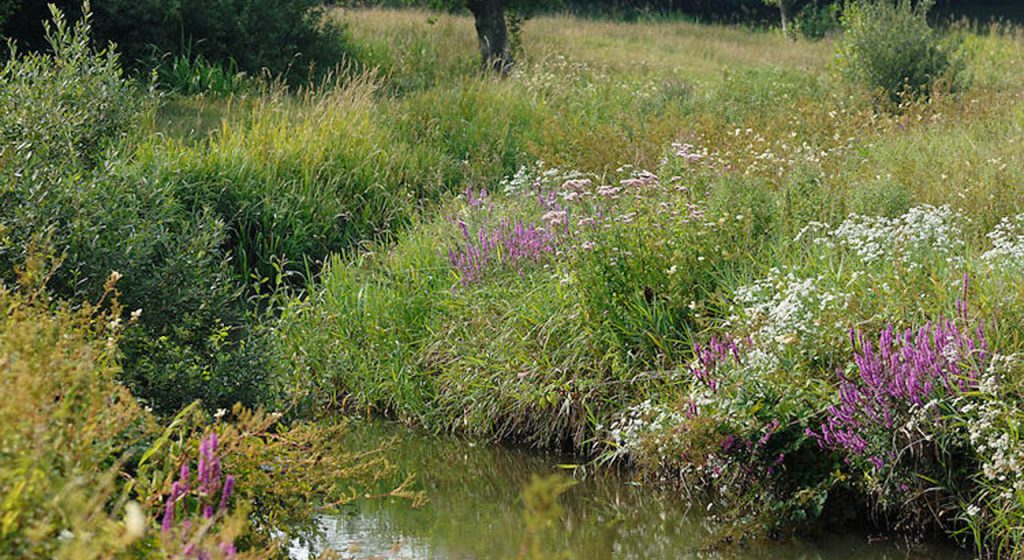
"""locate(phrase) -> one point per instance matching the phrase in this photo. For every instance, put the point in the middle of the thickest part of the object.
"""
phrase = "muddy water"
(475, 511)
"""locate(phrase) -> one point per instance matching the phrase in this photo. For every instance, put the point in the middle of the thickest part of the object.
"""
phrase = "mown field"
(700, 251)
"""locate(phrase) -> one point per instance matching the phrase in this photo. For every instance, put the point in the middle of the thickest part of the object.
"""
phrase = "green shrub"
(888, 46)
(70, 107)
(817, 21)
(67, 186)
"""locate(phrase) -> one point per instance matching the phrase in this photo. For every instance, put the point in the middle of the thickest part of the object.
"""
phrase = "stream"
(474, 510)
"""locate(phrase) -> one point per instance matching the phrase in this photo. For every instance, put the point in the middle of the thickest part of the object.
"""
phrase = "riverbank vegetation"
(770, 283)
(767, 271)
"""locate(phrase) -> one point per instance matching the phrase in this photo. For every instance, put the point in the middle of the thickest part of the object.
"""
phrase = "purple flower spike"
(510, 243)
(208, 493)
(906, 370)
(183, 478)
(168, 521)
(710, 357)
(229, 487)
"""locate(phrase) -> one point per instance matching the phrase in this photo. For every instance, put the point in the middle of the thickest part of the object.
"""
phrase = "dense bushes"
(285, 37)
(68, 189)
(71, 112)
(817, 21)
(736, 11)
(890, 47)
(198, 228)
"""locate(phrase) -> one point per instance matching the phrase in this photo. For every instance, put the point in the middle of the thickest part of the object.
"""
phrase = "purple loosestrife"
(709, 357)
(476, 200)
(209, 496)
(512, 243)
(907, 370)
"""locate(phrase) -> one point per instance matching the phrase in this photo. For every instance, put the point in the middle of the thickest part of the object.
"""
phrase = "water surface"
(475, 511)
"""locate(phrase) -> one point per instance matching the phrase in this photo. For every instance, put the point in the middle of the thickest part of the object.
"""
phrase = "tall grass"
(651, 242)
(295, 179)
(720, 222)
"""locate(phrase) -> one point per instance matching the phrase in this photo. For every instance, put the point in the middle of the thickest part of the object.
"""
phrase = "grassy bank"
(697, 250)
(731, 268)
(129, 340)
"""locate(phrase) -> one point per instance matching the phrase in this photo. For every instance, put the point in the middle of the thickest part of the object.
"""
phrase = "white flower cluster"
(783, 309)
(639, 422)
(521, 181)
(754, 154)
(557, 75)
(993, 422)
(529, 177)
(923, 233)
(1007, 243)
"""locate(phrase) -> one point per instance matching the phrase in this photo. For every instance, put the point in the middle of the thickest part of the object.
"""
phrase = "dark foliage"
(284, 36)
(736, 11)
(66, 188)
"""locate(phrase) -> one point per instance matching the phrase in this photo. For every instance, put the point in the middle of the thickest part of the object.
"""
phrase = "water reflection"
(475, 512)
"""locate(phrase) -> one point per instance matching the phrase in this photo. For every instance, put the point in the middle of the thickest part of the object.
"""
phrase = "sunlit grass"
(779, 152)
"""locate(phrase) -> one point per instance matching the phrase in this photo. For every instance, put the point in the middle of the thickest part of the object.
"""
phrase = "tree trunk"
(492, 34)
(784, 13)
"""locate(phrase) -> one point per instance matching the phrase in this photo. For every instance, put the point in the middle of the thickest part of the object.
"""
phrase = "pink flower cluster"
(640, 180)
(688, 152)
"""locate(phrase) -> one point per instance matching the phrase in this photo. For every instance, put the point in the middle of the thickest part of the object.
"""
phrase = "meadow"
(710, 257)
(707, 253)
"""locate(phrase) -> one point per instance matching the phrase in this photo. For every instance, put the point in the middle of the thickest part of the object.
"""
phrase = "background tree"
(497, 24)
(492, 34)
(785, 11)
(285, 37)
